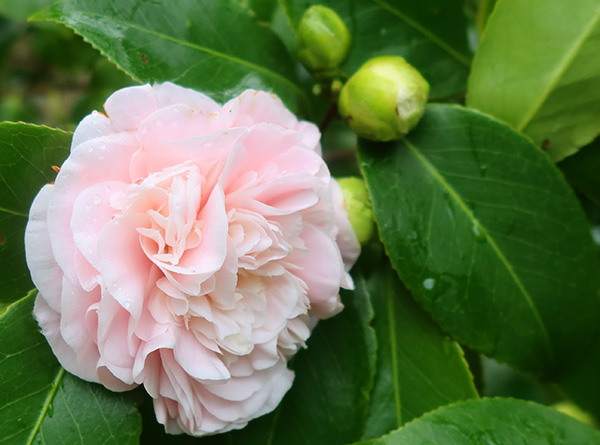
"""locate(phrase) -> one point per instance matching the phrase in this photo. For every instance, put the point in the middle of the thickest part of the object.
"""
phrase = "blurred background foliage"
(48, 74)
(51, 76)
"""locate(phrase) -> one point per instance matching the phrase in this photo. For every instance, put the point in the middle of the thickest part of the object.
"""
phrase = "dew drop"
(97, 199)
(429, 283)
(479, 235)
(447, 346)
(90, 149)
(50, 410)
(596, 234)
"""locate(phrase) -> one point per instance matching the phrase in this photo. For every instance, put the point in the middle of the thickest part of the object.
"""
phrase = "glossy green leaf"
(40, 403)
(493, 421)
(487, 235)
(202, 44)
(583, 170)
(538, 69)
(430, 34)
(329, 399)
(27, 154)
(418, 367)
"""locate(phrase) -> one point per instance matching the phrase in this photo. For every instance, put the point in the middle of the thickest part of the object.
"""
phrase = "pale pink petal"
(129, 106)
(253, 107)
(96, 125)
(83, 170)
(117, 346)
(197, 361)
(123, 264)
(45, 272)
(321, 268)
(170, 94)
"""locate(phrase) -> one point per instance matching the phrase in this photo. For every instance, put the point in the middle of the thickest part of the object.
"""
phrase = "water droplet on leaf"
(429, 283)
(479, 235)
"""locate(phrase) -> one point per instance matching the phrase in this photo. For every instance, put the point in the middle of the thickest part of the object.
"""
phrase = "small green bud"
(323, 41)
(358, 206)
(384, 99)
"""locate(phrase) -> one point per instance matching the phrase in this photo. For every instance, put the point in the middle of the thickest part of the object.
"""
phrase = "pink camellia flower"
(190, 248)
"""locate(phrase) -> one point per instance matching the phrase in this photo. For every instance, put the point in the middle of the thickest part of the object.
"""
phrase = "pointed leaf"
(27, 154)
(538, 69)
(40, 403)
(582, 170)
(430, 34)
(215, 47)
(487, 235)
(493, 421)
(418, 367)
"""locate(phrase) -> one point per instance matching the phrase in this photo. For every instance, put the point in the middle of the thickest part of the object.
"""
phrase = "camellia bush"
(301, 222)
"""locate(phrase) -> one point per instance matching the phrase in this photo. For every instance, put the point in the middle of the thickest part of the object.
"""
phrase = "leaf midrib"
(431, 36)
(391, 318)
(38, 424)
(463, 206)
(191, 45)
(563, 66)
(13, 212)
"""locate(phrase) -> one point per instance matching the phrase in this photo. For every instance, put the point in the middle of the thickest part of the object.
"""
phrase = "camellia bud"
(358, 206)
(384, 99)
(323, 41)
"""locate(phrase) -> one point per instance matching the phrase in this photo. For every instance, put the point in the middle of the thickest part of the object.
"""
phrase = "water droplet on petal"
(97, 199)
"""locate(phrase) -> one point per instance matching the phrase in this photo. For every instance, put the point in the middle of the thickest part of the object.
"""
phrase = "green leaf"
(430, 34)
(202, 44)
(493, 421)
(329, 399)
(488, 236)
(583, 170)
(40, 403)
(20, 10)
(538, 69)
(418, 367)
(27, 154)
(580, 384)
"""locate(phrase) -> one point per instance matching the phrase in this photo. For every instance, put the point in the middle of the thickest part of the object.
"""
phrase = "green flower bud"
(323, 41)
(358, 206)
(384, 99)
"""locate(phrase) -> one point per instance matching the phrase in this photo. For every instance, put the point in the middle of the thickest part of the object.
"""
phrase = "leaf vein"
(461, 203)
